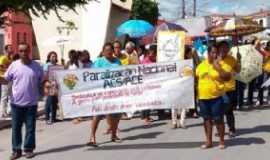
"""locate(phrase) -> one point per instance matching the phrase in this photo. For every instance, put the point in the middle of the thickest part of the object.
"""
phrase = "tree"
(145, 10)
(40, 7)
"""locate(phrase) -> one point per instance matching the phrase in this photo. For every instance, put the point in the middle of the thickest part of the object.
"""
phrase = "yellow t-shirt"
(228, 64)
(4, 64)
(210, 86)
(266, 65)
(123, 59)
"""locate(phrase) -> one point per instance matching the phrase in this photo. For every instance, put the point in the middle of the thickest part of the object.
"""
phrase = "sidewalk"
(5, 123)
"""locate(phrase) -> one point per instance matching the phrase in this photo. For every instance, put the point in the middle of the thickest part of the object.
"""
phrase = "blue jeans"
(51, 107)
(229, 107)
(212, 109)
(23, 115)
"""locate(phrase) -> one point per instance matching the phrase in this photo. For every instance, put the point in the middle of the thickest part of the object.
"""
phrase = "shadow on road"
(194, 125)
(61, 149)
(261, 108)
(151, 135)
(173, 145)
(257, 129)
(244, 141)
(143, 127)
(183, 145)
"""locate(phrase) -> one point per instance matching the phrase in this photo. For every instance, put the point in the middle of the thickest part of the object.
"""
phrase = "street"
(66, 141)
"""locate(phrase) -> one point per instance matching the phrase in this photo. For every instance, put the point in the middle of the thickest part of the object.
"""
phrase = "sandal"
(221, 146)
(206, 146)
(91, 144)
(116, 139)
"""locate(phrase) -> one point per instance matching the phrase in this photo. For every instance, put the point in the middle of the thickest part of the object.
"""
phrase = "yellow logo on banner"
(70, 80)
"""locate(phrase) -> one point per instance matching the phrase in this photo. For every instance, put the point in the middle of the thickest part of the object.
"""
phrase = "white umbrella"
(57, 40)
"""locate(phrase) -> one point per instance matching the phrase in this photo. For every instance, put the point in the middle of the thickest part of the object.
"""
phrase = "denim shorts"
(212, 109)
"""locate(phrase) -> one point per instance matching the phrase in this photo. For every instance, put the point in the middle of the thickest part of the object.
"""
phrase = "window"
(24, 37)
(18, 38)
(261, 22)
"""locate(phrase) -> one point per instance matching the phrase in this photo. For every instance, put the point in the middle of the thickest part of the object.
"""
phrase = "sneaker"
(182, 125)
(4, 115)
(49, 122)
(29, 155)
(16, 155)
(232, 134)
(174, 126)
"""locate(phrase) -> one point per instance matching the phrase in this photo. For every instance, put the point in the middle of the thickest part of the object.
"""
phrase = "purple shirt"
(26, 81)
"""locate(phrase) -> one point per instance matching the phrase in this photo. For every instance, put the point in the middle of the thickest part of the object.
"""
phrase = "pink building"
(18, 28)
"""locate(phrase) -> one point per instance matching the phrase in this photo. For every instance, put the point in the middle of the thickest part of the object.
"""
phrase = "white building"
(96, 23)
(263, 18)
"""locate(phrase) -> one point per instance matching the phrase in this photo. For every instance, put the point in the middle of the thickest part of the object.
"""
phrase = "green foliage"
(145, 10)
(40, 7)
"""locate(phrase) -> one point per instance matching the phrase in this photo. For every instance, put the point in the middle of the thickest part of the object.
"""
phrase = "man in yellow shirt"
(131, 53)
(211, 76)
(5, 61)
(232, 66)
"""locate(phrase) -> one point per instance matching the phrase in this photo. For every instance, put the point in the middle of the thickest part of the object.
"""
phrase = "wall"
(95, 20)
(45, 29)
(117, 17)
(91, 20)
(18, 29)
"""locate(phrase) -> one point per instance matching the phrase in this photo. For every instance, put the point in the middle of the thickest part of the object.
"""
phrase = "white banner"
(171, 46)
(251, 63)
(88, 92)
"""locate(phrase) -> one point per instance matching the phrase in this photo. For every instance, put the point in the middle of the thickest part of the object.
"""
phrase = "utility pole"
(183, 9)
(194, 7)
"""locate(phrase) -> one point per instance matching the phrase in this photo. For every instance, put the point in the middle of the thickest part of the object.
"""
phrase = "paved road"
(66, 141)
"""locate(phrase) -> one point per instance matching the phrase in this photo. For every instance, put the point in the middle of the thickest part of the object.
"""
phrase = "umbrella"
(57, 40)
(134, 28)
(235, 27)
(239, 27)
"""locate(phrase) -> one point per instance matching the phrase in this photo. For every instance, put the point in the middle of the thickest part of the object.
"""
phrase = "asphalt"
(66, 141)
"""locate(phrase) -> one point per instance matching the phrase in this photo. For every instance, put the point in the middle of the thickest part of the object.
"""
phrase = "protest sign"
(171, 46)
(52, 69)
(87, 92)
(251, 63)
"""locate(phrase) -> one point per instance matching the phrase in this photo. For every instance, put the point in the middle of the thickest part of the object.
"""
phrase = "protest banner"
(52, 69)
(251, 63)
(171, 46)
(87, 92)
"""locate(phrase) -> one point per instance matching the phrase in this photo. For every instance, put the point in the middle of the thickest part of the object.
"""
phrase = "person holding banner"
(50, 90)
(211, 77)
(150, 57)
(106, 61)
(232, 67)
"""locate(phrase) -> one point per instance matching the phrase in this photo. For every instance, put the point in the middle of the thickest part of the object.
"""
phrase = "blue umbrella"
(134, 28)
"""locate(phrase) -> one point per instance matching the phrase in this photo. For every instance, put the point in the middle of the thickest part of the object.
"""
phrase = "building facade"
(262, 18)
(17, 29)
(96, 23)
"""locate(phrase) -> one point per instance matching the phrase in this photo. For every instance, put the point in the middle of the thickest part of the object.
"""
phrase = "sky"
(171, 9)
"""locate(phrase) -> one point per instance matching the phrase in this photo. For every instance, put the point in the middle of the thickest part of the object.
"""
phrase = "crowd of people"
(217, 93)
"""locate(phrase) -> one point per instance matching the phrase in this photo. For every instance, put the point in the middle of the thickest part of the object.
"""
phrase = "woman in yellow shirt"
(211, 77)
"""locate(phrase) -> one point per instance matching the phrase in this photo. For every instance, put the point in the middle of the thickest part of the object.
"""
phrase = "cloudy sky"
(170, 9)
